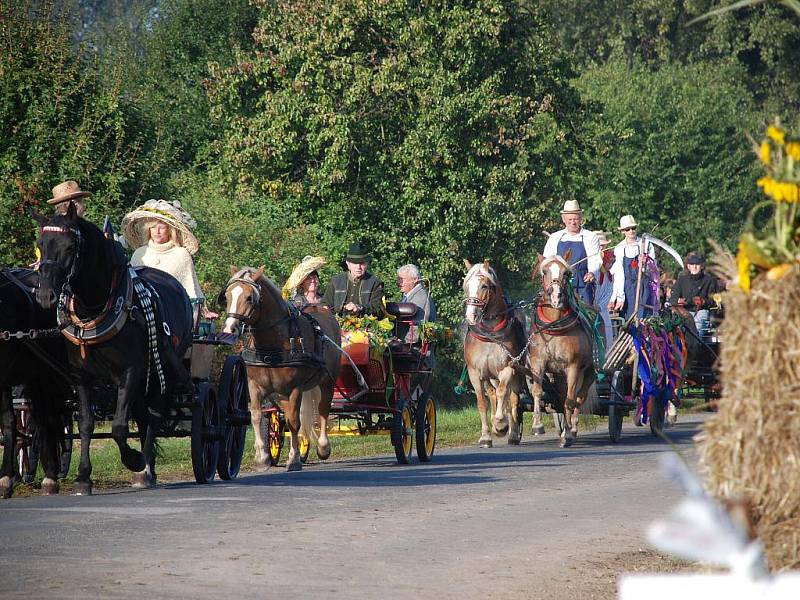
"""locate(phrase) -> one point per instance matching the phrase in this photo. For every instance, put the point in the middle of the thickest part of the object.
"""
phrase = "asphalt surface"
(509, 521)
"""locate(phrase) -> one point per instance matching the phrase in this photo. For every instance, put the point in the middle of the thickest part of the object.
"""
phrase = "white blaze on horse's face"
(555, 285)
(473, 286)
(231, 323)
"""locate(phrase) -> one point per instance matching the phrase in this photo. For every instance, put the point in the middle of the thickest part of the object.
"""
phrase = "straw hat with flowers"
(308, 265)
(171, 213)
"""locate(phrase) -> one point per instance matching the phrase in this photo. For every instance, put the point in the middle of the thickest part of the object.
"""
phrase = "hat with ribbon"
(627, 222)
(307, 266)
(171, 213)
(571, 207)
(357, 253)
(66, 191)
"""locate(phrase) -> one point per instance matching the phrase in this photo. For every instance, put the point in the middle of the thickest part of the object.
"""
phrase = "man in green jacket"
(357, 291)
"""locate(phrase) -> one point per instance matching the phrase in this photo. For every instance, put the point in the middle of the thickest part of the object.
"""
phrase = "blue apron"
(585, 291)
(646, 301)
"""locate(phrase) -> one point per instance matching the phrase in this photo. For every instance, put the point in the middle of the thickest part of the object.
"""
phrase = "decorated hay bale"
(751, 448)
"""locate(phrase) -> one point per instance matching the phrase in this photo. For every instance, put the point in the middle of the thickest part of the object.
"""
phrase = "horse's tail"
(309, 409)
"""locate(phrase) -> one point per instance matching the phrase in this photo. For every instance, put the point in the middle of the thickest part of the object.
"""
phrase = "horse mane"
(558, 259)
(479, 269)
(264, 281)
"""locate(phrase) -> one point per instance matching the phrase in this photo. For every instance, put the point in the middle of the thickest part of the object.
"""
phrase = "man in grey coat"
(408, 279)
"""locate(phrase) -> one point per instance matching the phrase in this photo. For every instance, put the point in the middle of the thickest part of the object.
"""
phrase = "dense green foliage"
(433, 131)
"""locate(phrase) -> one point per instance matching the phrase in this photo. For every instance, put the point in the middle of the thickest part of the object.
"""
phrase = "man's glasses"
(629, 229)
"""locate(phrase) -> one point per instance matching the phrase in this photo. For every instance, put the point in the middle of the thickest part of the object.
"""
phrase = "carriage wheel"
(27, 458)
(273, 430)
(426, 427)
(402, 433)
(206, 434)
(65, 449)
(234, 399)
(305, 446)
(656, 413)
(615, 411)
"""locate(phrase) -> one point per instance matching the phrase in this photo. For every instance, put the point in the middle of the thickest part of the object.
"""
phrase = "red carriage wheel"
(273, 432)
(402, 433)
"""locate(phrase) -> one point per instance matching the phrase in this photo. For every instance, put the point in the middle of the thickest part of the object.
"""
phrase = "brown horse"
(561, 347)
(291, 353)
(494, 351)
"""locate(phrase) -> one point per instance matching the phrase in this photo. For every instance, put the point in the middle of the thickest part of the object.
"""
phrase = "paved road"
(499, 523)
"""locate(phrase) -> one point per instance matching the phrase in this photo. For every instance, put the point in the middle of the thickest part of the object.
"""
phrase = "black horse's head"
(60, 245)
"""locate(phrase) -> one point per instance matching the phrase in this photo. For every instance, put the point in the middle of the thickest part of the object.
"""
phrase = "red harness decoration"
(558, 326)
(499, 327)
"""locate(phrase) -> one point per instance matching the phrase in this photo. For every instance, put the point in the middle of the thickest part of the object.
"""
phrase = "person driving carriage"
(584, 245)
(626, 272)
(695, 289)
(356, 291)
(160, 232)
(408, 279)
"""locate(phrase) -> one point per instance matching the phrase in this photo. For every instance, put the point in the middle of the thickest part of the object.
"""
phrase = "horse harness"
(499, 333)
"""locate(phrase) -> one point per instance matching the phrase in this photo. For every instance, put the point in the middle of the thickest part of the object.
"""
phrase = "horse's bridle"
(254, 301)
(73, 271)
(480, 303)
(561, 282)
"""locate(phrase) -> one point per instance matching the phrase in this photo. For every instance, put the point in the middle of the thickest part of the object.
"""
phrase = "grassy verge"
(455, 427)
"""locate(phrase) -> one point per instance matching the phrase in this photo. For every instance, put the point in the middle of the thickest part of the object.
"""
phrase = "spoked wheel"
(402, 433)
(65, 448)
(273, 430)
(656, 412)
(207, 431)
(426, 427)
(234, 399)
(305, 446)
(27, 458)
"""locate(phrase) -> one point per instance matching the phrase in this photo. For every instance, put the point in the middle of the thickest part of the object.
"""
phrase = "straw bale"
(751, 448)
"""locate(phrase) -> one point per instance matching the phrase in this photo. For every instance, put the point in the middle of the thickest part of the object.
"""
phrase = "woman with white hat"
(302, 287)
(625, 273)
(584, 248)
(161, 233)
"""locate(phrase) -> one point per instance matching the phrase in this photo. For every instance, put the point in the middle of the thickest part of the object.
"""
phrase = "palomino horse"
(126, 329)
(561, 346)
(494, 351)
(290, 353)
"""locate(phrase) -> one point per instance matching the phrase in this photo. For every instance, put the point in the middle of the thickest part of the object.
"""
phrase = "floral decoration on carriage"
(367, 329)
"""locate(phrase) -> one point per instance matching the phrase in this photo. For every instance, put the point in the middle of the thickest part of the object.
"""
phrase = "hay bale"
(751, 448)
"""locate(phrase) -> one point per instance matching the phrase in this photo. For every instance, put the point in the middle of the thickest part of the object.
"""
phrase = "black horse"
(37, 364)
(129, 329)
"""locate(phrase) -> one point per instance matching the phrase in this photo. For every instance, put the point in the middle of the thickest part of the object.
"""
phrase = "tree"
(435, 133)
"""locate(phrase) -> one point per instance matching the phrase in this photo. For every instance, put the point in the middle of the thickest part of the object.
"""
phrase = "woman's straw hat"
(170, 213)
(626, 222)
(308, 265)
(66, 191)
(601, 235)
(571, 207)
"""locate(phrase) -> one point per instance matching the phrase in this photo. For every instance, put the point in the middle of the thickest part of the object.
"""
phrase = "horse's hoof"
(262, 465)
(142, 480)
(294, 466)
(513, 441)
(6, 487)
(566, 443)
(82, 488)
(50, 487)
(323, 454)
(538, 430)
(501, 432)
(485, 444)
(134, 461)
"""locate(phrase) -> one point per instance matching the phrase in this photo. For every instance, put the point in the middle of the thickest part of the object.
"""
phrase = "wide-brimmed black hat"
(695, 258)
(357, 253)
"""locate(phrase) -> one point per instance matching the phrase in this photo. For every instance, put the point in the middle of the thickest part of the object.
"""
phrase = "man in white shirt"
(585, 257)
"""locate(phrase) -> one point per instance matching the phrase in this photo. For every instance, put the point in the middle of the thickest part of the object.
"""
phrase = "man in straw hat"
(66, 192)
(357, 291)
(302, 287)
(584, 246)
(626, 271)
(161, 233)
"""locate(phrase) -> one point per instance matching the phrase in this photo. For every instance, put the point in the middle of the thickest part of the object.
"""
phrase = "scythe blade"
(665, 246)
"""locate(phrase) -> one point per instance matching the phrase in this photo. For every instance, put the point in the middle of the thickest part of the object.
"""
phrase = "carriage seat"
(402, 310)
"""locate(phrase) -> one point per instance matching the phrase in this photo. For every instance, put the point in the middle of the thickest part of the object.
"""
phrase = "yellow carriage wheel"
(426, 427)
(403, 433)
(305, 446)
(275, 437)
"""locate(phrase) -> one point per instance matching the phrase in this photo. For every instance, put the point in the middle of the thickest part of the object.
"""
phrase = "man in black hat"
(695, 288)
(356, 292)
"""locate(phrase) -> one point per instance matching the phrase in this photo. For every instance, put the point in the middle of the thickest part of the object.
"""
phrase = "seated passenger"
(408, 279)
(161, 233)
(302, 287)
(357, 291)
(694, 290)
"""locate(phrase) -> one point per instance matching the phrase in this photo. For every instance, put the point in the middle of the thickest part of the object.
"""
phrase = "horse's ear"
(467, 264)
(234, 270)
(72, 212)
(486, 264)
(38, 217)
(568, 255)
(258, 274)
